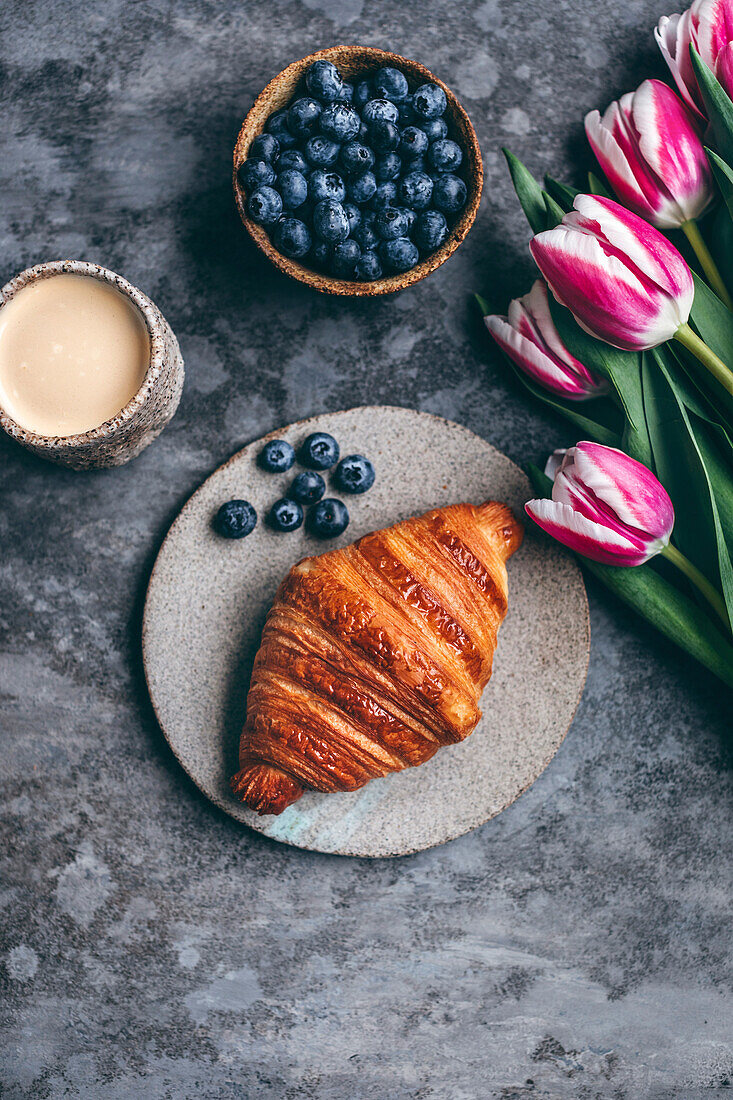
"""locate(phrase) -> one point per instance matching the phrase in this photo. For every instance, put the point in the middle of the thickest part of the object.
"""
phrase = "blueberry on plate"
(431, 230)
(385, 136)
(303, 116)
(435, 128)
(323, 80)
(264, 147)
(235, 520)
(391, 84)
(416, 190)
(368, 268)
(356, 158)
(354, 216)
(362, 93)
(326, 185)
(399, 255)
(255, 173)
(391, 223)
(384, 195)
(292, 158)
(292, 237)
(276, 457)
(346, 95)
(319, 451)
(387, 167)
(285, 515)
(321, 151)
(429, 101)
(330, 222)
(445, 155)
(413, 142)
(379, 109)
(265, 206)
(354, 474)
(328, 518)
(361, 188)
(293, 188)
(340, 122)
(277, 125)
(307, 488)
(449, 193)
(344, 258)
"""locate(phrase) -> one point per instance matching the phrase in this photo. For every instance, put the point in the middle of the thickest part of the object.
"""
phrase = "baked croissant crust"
(374, 656)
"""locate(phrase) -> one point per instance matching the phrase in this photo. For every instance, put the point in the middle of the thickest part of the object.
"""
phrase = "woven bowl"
(352, 62)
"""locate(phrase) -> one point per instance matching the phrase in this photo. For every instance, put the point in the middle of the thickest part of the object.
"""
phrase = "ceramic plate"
(208, 597)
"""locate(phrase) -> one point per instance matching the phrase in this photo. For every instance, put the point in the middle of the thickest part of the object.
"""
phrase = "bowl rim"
(155, 329)
(387, 285)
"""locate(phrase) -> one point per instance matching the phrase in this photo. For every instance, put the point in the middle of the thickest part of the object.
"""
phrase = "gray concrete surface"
(576, 946)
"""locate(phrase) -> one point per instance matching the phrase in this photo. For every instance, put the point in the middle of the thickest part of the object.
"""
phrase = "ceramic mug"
(126, 434)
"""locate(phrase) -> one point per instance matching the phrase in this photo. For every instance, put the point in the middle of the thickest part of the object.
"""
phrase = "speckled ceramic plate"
(208, 598)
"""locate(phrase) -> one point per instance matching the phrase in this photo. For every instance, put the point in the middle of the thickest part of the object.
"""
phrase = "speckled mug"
(137, 424)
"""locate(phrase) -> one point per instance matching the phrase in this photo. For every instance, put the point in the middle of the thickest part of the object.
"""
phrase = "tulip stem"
(707, 263)
(701, 583)
(707, 357)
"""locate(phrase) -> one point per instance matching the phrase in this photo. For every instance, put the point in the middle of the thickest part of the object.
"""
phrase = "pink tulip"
(605, 505)
(621, 279)
(652, 155)
(529, 337)
(725, 68)
(708, 26)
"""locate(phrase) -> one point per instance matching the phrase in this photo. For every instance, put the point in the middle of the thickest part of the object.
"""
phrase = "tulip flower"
(622, 280)
(725, 68)
(650, 150)
(529, 337)
(708, 26)
(612, 509)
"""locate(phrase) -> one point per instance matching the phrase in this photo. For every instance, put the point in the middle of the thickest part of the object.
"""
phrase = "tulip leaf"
(714, 323)
(528, 191)
(596, 187)
(661, 603)
(555, 212)
(483, 305)
(719, 239)
(723, 177)
(561, 193)
(718, 105)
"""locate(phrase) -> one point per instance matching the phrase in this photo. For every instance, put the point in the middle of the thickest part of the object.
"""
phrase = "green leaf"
(483, 305)
(718, 105)
(529, 193)
(723, 177)
(714, 324)
(719, 239)
(555, 212)
(660, 603)
(561, 193)
(597, 187)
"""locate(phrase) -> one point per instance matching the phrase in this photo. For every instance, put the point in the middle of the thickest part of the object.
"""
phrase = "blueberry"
(319, 451)
(385, 136)
(385, 195)
(285, 515)
(445, 155)
(365, 234)
(330, 222)
(340, 122)
(255, 173)
(391, 84)
(362, 92)
(328, 518)
(303, 116)
(416, 190)
(354, 474)
(326, 185)
(449, 194)
(368, 268)
(265, 206)
(413, 143)
(307, 487)
(379, 109)
(429, 101)
(362, 187)
(391, 223)
(293, 187)
(344, 259)
(417, 164)
(292, 237)
(292, 158)
(236, 519)
(264, 147)
(356, 158)
(399, 255)
(363, 135)
(411, 217)
(406, 113)
(321, 253)
(276, 457)
(277, 125)
(431, 230)
(435, 128)
(323, 80)
(388, 167)
(353, 216)
(346, 95)
(321, 151)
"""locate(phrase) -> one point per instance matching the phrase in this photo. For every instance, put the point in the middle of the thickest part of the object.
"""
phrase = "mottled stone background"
(577, 945)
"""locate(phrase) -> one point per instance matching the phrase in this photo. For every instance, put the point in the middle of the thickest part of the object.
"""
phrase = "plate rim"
(214, 798)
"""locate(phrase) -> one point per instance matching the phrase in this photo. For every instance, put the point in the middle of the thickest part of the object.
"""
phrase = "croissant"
(375, 655)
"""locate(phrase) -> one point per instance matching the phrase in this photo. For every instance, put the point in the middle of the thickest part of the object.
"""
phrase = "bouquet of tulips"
(634, 345)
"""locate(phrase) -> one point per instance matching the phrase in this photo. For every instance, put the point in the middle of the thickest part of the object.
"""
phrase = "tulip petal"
(530, 359)
(626, 486)
(555, 461)
(611, 143)
(584, 536)
(674, 36)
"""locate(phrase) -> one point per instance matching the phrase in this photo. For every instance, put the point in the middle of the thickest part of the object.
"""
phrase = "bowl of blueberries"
(357, 171)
